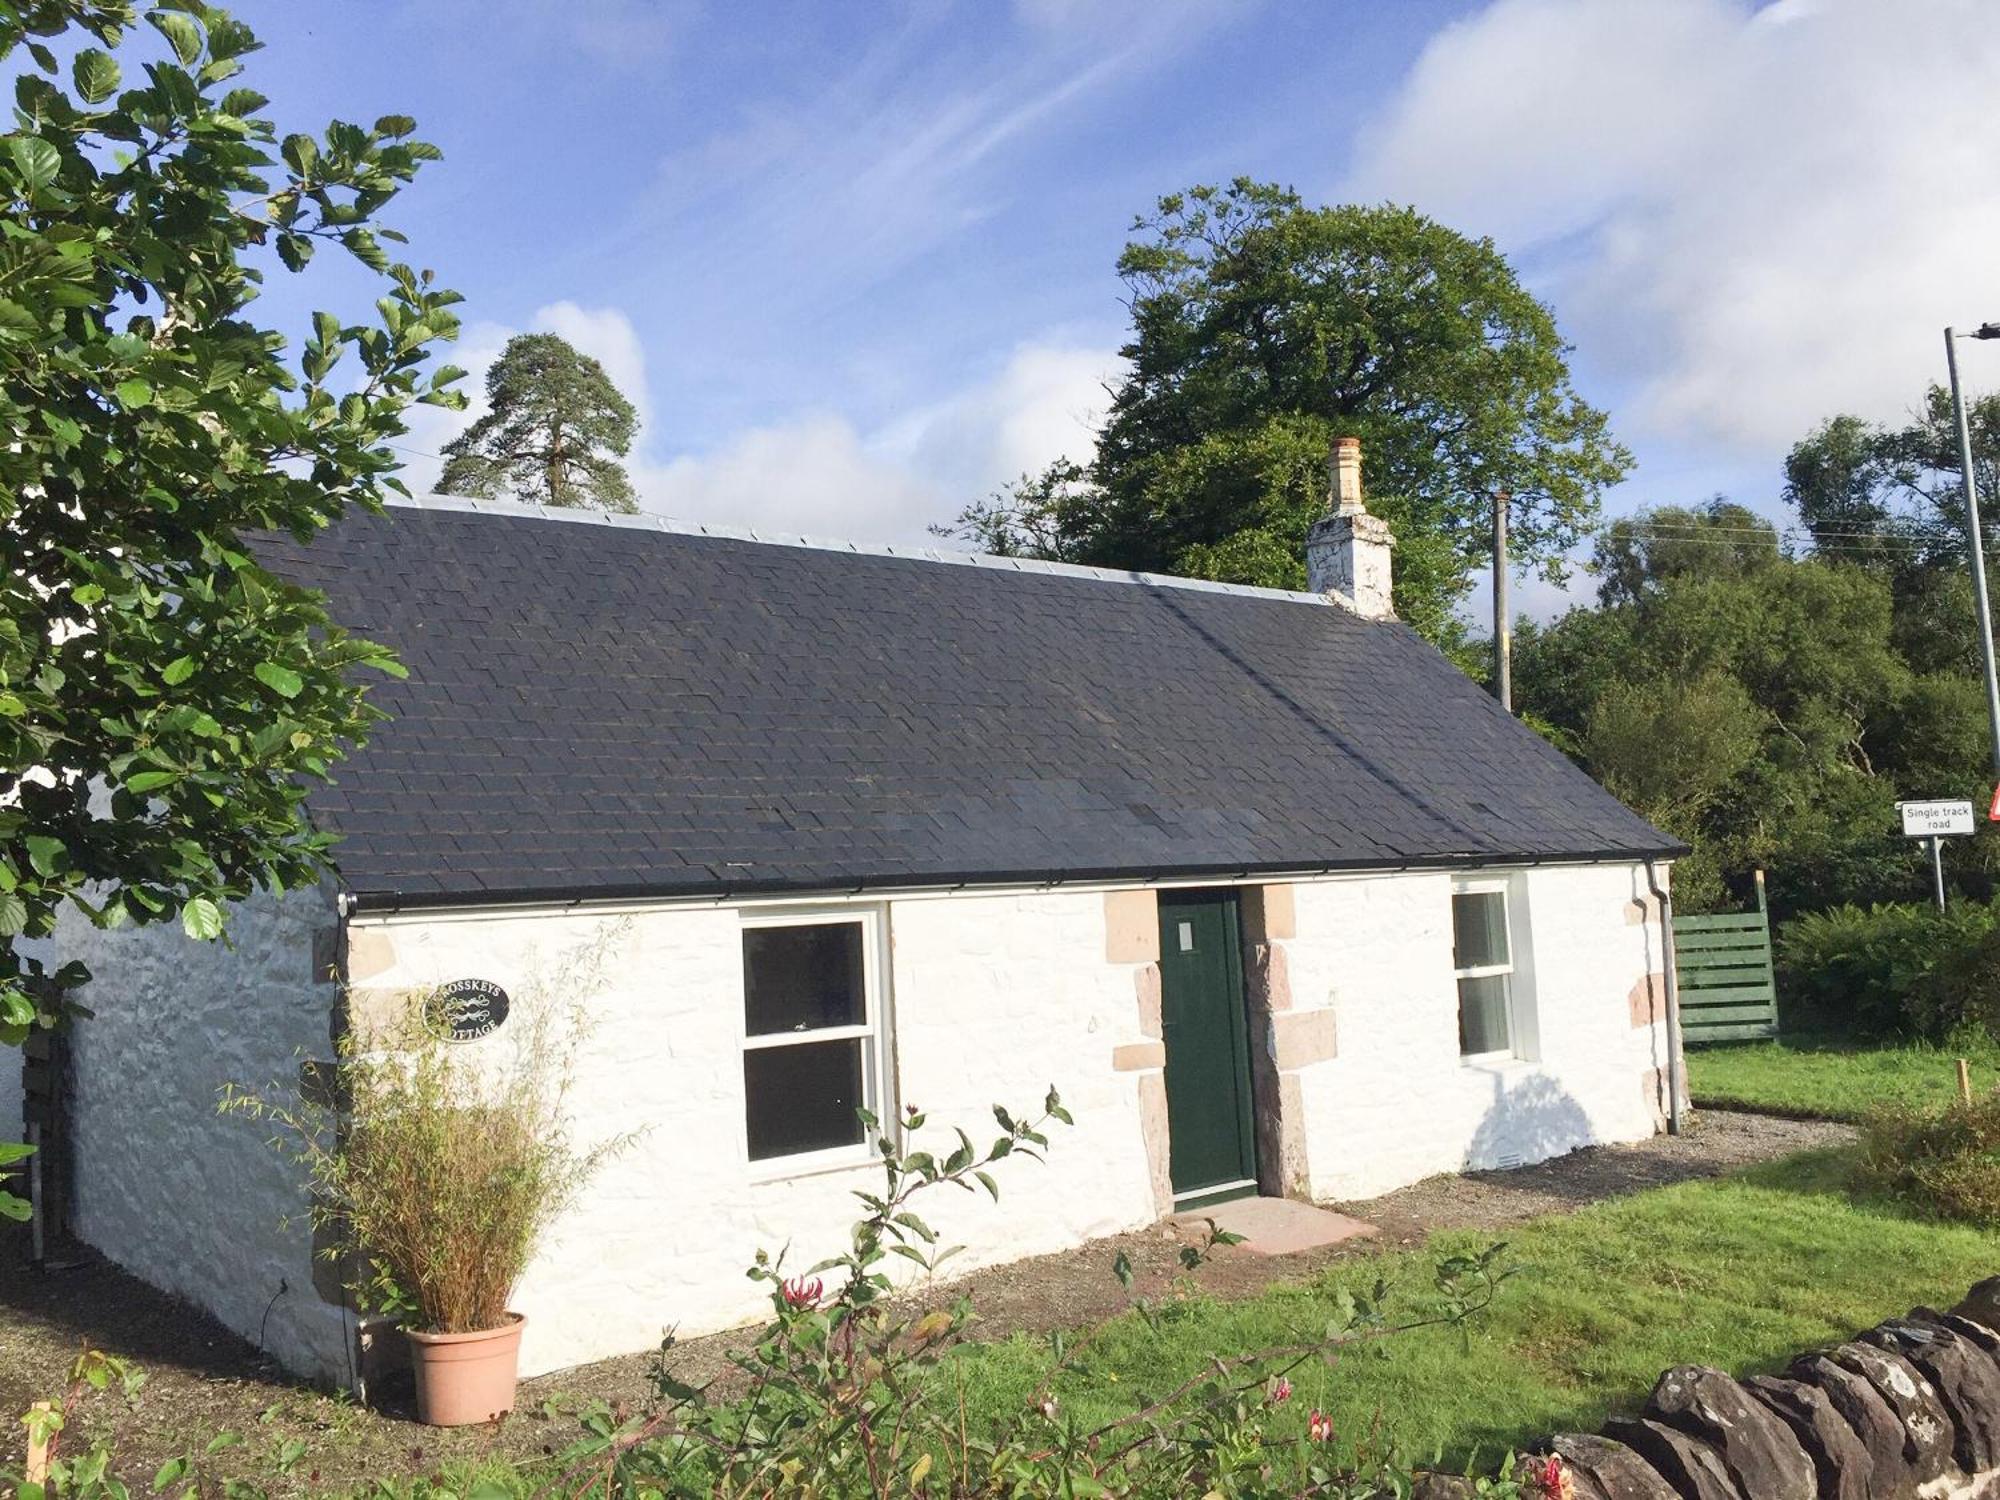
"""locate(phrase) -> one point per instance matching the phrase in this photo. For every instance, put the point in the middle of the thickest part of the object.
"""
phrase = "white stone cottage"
(1280, 901)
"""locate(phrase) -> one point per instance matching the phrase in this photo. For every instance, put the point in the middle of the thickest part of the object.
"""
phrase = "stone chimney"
(1347, 550)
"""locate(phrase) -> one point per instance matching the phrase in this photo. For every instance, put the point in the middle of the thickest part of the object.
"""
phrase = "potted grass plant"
(434, 1169)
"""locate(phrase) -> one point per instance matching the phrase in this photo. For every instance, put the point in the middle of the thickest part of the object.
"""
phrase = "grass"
(1834, 1079)
(1739, 1272)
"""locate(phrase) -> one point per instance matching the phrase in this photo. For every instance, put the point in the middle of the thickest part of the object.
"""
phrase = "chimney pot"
(1347, 550)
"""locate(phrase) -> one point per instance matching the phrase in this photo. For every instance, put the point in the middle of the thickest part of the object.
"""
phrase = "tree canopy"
(554, 434)
(1772, 706)
(1262, 328)
(165, 701)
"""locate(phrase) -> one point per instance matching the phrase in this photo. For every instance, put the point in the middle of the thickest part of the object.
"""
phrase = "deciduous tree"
(165, 701)
(1261, 329)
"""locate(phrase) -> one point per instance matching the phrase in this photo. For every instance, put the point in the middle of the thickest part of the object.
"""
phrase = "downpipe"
(1675, 1121)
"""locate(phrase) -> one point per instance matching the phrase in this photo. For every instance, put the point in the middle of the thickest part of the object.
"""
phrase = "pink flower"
(1281, 1391)
(1319, 1426)
(799, 1292)
(1553, 1480)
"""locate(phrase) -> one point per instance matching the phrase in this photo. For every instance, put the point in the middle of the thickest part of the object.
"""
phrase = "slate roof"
(599, 709)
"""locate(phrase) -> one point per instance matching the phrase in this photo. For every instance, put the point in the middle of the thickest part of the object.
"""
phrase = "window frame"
(1503, 886)
(877, 1073)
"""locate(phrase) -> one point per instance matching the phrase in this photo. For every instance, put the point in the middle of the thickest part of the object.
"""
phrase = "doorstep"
(1277, 1226)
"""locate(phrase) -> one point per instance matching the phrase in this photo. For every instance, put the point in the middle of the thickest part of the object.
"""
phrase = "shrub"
(434, 1170)
(1889, 970)
(1944, 1163)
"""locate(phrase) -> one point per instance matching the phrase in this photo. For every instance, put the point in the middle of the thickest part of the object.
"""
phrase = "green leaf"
(147, 781)
(294, 250)
(20, 1211)
(179, 670)
(301, 153)
(134, 393)
(281, 680)
(96, 75)
(201, 919)
(35, 159)
(13, 914)
(181, 31)
(45, 852)
(11, 1152)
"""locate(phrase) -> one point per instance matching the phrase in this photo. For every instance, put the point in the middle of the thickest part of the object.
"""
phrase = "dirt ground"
(202, 1379)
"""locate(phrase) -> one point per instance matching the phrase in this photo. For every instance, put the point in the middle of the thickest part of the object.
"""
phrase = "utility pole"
(1984, 331)
(1503, 624)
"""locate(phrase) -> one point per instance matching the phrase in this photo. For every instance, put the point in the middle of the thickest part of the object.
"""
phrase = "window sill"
(1503, 1064)
(819, 1164)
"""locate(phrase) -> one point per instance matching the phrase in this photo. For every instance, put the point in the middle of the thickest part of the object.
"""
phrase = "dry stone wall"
(1909, 1410)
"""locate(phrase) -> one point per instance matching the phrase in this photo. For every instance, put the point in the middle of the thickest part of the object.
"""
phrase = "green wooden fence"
(1723, 965)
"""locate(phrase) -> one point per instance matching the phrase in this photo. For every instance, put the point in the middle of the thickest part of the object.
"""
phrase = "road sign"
(1935, 819)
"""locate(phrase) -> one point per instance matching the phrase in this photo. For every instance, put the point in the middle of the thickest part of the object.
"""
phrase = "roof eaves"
(724, 891)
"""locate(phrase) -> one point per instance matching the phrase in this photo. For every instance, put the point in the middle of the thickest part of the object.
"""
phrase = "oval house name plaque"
(468, 1009)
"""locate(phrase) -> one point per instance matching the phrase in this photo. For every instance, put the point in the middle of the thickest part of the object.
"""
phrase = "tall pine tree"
(555, 432)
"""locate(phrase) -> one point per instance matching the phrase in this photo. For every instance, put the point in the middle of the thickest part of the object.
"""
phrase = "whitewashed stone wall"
(994, 999)
(1397, 1104)
(192, 1202)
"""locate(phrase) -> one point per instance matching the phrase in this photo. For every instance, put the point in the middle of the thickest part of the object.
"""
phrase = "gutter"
(1675, 1061)
(389, 902)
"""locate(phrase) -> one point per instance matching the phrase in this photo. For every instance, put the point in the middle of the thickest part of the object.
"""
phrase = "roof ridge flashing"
(651, 521)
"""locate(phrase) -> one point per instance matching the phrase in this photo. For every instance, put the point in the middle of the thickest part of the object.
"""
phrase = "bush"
(1944, 1163)
(1890, 970)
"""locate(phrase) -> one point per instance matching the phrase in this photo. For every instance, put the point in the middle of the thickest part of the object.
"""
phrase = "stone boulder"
(1969, 1329)
(1757, 1447)
(1602, 1469)
(1982, 1303)
(1965, 1377)
(1928, 1435)
(1872, 1420)
(1839, 1458)
(1694, 1469)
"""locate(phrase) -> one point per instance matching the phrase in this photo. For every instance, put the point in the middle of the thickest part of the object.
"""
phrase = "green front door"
(1213, 1153)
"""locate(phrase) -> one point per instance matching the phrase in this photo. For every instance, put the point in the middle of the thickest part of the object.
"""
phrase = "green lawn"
(1738, 1272)
(1834, 1079)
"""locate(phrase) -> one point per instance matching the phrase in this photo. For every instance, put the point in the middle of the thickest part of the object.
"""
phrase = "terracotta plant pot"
(466, 1378)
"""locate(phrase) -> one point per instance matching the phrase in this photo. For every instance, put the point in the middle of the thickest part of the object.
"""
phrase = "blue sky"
(854, 261)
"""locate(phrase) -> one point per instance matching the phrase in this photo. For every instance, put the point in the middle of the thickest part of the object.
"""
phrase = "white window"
(813, 1034)
(1483, 957)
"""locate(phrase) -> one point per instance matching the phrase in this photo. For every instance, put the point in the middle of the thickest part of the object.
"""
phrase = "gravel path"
(203, 1379)
(1720, 1141)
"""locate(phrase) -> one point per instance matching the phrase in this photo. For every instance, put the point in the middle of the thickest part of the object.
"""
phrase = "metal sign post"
(1935, 821)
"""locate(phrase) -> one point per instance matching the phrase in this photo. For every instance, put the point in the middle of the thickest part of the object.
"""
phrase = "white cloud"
(1755, 217)
(815, 472)
(813, 475)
